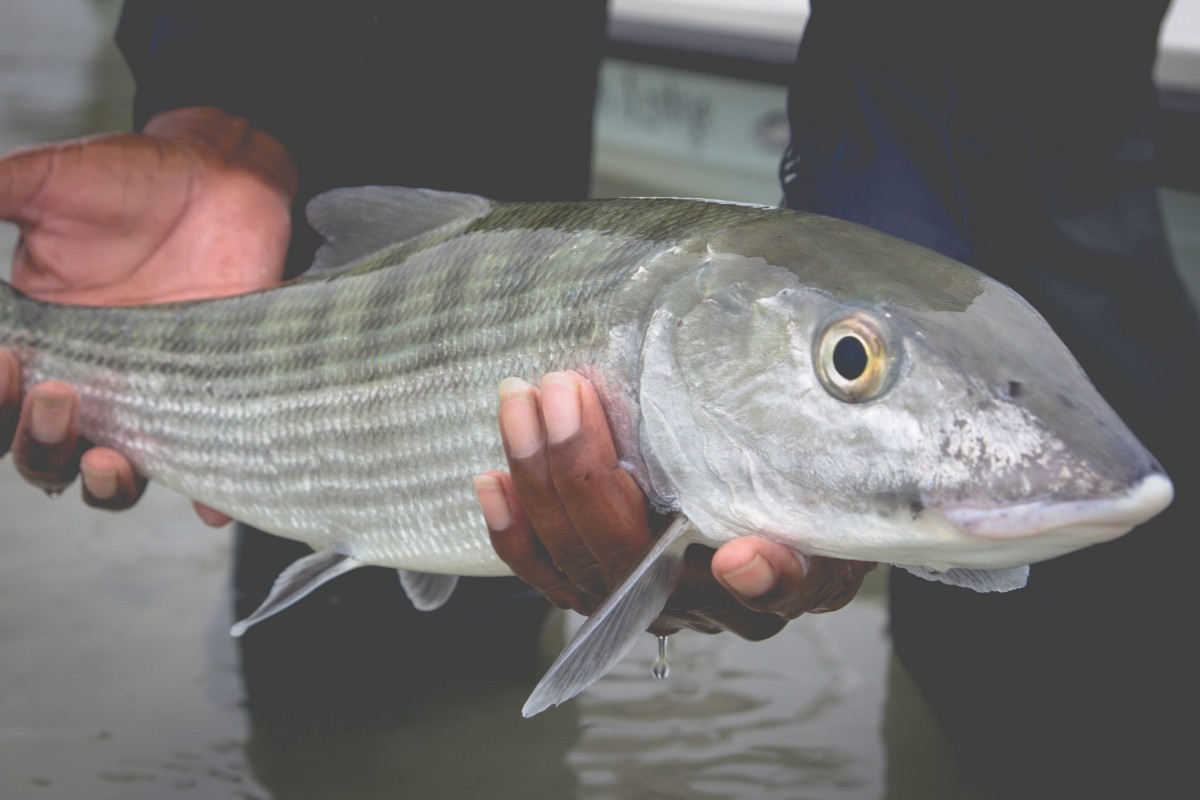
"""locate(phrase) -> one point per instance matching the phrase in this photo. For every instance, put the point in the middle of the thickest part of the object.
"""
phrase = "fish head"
(857, 396)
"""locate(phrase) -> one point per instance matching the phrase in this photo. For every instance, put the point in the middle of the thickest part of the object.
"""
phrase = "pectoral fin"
(610, 632)
(426, 590)
(297, 581)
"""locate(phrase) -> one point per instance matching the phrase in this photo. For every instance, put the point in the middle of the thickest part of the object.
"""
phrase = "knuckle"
(620, 560)
(572, 475)
(582, 569)
(549, 521)
(839, 588)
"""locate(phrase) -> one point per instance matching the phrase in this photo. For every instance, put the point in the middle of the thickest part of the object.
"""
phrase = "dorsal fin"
(356, 222)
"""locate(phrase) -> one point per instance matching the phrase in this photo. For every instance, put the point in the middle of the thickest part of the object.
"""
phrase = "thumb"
(23, 173)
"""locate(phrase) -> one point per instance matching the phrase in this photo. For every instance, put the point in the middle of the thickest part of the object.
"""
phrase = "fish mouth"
(1097, 519)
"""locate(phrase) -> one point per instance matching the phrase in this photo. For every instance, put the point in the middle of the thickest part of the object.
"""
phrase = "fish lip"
(1098, 520)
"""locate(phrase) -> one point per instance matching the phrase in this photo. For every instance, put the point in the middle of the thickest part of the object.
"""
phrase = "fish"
(764, 372)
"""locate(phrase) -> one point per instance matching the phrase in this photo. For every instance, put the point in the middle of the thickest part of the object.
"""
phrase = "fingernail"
(519, 418)
(753, 579)
(560, 406)
(50, 418)
(493, 501)
(102, 483)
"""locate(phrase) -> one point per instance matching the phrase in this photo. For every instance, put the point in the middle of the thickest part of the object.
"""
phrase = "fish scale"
(327, 435)
(350, 409)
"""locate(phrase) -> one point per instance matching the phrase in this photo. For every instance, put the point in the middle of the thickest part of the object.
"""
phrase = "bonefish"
(764, 372)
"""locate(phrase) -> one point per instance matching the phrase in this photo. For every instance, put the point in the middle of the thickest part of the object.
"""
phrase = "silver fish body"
(350, 410)
(764, 371)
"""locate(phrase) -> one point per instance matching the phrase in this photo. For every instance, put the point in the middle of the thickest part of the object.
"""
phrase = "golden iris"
(851, 358)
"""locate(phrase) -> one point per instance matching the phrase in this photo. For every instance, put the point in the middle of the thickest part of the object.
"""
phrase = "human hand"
(571, 522)
(196, 205)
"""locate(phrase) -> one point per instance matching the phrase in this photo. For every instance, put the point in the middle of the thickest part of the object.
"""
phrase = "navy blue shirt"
(493, 98)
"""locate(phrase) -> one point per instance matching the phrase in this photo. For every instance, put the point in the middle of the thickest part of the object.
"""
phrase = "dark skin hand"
(198, 205)
(571, 522)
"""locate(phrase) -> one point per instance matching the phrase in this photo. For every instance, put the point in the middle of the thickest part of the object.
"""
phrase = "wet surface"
(118, 678)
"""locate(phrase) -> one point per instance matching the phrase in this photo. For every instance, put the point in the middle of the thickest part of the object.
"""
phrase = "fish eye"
(851, 359)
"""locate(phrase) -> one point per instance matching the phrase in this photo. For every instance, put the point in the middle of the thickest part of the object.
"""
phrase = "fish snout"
(1089, 520)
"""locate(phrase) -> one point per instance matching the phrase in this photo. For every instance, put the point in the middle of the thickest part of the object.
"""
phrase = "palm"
(131, 218)
(198, 205)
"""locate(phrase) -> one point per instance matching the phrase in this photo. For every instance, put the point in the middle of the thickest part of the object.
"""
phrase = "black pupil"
(850, 358)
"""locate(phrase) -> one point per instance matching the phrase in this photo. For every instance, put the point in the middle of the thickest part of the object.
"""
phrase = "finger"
(210, 516)
(761, 574)
(525, 445)
(703, 604)
(46, 447)
(109, 480)
(607, 509)
(767, 576)
(22, 173)
(840, 582)
(515, 543)
(10, 399)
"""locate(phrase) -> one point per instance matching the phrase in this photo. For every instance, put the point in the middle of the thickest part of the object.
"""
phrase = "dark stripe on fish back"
(543, 262)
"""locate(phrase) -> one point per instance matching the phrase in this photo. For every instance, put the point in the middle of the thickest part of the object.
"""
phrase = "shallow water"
(118, 678)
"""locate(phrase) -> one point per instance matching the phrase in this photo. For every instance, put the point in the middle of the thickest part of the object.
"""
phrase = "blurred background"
(117, 675)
